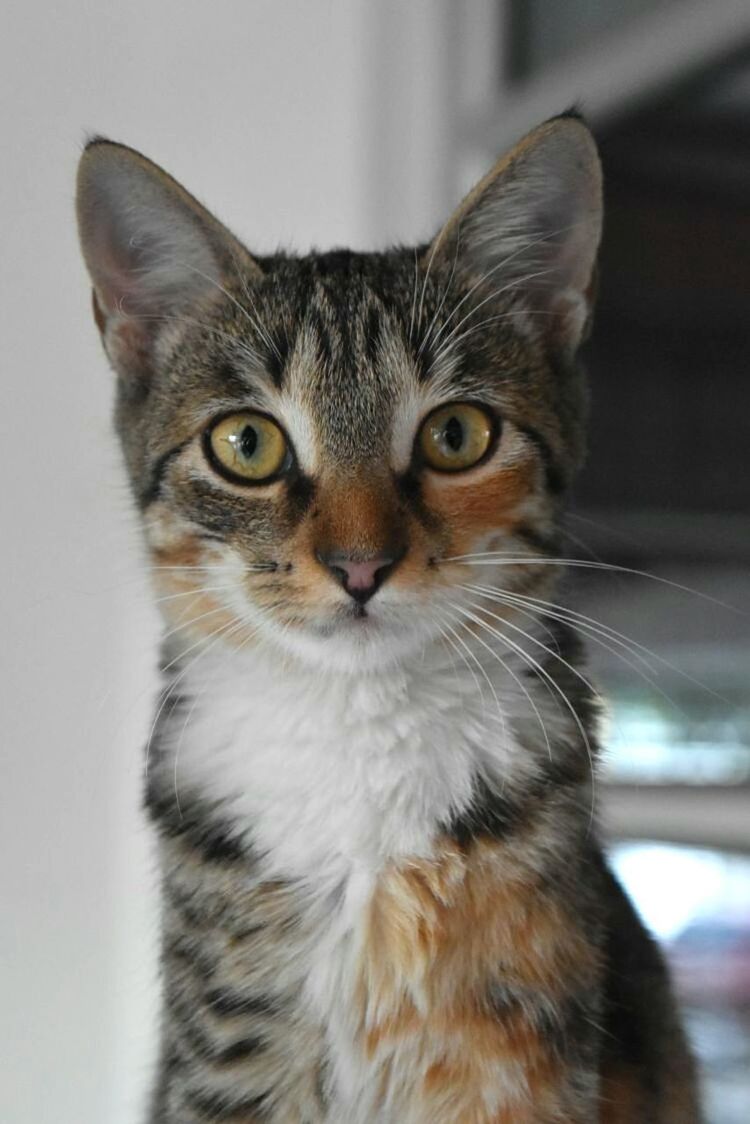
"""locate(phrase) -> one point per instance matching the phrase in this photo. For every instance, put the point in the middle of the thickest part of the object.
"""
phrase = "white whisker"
(472, 656)
(438, 310)
(513, 675)
(592, 633)
(503, 558)
(552, 685)
(632, 646)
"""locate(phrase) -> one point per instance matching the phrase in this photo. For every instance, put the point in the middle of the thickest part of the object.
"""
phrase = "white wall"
(302, 121)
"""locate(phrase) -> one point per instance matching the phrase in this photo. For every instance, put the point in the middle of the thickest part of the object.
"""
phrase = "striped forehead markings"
(322, 336)
(277, 355)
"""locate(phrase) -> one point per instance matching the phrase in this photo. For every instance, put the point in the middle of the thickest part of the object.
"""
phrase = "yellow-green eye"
(456, 437)
(248, 448)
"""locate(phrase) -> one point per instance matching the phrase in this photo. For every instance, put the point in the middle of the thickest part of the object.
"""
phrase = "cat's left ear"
(153, 252)
(531, 228)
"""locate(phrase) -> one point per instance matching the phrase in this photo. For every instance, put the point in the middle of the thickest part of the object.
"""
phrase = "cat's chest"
(330, 778)
(333, 785)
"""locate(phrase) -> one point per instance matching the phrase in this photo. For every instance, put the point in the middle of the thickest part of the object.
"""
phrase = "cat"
(371, 767)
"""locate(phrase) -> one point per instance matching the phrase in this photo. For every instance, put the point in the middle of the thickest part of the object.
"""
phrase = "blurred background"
(345, 121)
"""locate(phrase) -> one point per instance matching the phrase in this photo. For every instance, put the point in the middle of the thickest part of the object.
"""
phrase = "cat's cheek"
(476, 506)
(168, 535)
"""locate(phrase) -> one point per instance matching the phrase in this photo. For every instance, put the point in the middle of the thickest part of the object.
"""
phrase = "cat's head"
(318, 443)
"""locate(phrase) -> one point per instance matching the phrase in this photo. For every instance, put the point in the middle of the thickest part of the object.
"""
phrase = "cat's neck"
(326, 773)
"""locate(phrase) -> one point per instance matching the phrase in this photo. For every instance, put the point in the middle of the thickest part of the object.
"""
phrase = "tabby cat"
(384, 897)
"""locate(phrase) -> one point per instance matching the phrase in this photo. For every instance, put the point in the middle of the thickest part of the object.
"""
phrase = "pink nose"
(360, 577)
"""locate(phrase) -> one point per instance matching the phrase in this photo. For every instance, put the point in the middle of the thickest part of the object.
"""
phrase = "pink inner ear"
(112, 288)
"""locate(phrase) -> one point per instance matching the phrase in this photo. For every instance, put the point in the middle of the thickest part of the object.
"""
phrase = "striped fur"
(384, 897)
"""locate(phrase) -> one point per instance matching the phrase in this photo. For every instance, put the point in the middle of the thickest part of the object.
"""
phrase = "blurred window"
(680, 730)
(703, 926)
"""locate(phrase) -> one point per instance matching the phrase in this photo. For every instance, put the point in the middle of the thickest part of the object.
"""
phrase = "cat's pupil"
(453, 434)
(248, 442)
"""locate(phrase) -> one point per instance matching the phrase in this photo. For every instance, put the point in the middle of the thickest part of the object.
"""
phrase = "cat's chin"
(353, 643)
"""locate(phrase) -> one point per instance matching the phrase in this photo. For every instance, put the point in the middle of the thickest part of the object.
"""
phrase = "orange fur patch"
(357, 515)
(440, 933)
(446, 924)
(474, 508)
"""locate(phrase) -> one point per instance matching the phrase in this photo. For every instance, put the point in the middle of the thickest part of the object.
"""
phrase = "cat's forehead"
(331, 344)
(352, 363)
(347, 351)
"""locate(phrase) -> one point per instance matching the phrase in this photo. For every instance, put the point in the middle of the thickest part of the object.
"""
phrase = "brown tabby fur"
(491, 970)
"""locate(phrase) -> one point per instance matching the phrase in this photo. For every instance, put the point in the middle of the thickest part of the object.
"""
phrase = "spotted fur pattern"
(384, 898)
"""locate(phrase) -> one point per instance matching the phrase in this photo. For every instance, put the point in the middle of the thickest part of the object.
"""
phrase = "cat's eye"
(247, 448)
(456, 437)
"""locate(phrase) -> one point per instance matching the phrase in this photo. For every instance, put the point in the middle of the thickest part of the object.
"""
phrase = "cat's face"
(324, 476)
(318, 444)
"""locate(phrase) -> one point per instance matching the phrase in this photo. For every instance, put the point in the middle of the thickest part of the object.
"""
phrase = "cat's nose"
(361, 575)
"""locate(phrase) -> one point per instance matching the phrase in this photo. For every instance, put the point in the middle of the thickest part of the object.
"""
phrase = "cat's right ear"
(153, 252)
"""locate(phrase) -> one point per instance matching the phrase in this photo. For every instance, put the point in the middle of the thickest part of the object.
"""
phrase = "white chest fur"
(333, 774)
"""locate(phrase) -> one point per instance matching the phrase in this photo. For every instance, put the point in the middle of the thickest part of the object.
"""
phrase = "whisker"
(197, 592)
(513, 676)
(552, 685)
(535, 640)
(424, 284)
(594, 634)
(208, 567)
(571, 616)
(255, 319)
(252, 319)
(450, 649)
(472, 655)
(633, 646)
(178, 658)
(500, 558)
(555, 654)
(454, 644)
(438, 310)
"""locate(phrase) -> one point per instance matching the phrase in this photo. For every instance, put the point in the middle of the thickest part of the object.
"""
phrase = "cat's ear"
(153, 252)
(532, 227)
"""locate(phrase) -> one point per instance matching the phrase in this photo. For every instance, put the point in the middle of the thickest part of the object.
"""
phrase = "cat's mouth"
(353, 638)
(353, 618)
